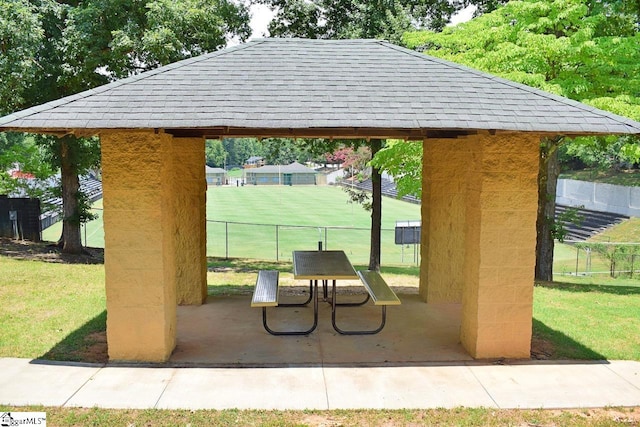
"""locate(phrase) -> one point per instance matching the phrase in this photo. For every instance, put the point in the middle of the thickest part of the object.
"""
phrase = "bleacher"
(89, 185)
(388, 189)
(590, 222)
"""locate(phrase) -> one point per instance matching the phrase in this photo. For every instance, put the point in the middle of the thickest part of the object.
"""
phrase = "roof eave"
(221, 132)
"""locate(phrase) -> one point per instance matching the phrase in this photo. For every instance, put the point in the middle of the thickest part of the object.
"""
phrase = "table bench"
(265, 294)
(380, 293)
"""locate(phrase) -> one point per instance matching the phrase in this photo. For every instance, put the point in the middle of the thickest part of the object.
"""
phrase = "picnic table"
(323, 266)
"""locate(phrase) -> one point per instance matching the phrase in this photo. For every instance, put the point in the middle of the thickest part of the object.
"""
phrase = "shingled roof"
(298, 87)
(294, 167)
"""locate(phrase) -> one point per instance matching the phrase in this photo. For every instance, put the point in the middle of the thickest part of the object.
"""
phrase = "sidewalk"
(524, 384)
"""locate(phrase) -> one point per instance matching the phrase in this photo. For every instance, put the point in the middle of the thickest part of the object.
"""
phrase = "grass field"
(630, 177)
(589, 317)
(569, 260)
(55, 310)
(52, 309)
(306, 215)
(92, 233)
(269, 222)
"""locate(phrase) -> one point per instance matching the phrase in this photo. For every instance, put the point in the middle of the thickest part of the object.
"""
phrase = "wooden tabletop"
(322, 265)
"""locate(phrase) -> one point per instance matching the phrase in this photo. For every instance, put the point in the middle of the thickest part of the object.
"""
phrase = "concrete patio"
(226, 331)
(225, 359)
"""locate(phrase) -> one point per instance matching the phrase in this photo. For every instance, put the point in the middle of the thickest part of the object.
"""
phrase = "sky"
(261, 15)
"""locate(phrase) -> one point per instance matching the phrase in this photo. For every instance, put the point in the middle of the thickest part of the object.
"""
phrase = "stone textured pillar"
(500, 239)
(444, 190)
(140, 244)
(191, 245)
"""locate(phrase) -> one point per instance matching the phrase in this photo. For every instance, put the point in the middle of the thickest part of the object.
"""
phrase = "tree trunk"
(548, 172)
(376, 210)
(71, 238)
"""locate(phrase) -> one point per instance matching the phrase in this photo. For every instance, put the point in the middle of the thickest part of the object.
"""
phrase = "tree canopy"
(579, 49)
(51, 49)
(574, 48)
(587, 50)
(348, 19)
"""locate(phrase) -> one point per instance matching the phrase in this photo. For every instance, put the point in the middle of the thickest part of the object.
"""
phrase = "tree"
(376, 210)
(78, 45)
(356, 159)
(20, 36)
(214, 153)
(582, 49)
(402, 160)
(283, 151)
(21, 154)
(240, 149)
(348, 19)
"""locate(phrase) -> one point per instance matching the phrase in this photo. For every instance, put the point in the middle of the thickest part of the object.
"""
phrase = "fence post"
(226, 240)
(577, 258)
(325, 238)
(277, 243)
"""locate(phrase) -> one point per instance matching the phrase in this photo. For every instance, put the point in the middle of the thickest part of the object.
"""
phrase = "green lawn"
(627, 231)
(630, 177)
(92, 233)
(567, 258)
(241, 222)
(50, 309)
(55, 308)
(589, 317)
(235, 173)
(304, 215)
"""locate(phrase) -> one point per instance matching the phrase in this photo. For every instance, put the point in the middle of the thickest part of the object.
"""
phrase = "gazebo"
(481, 139)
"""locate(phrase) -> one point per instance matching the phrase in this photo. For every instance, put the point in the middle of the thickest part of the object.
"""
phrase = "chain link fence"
(598, 258)
(277, 242)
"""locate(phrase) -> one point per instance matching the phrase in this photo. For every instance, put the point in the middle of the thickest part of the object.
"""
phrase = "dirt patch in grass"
(95, 350)
(541, 349)
(48, 252)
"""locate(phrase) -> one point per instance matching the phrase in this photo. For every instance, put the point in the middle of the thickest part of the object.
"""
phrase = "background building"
(293, 174)
(215, 176)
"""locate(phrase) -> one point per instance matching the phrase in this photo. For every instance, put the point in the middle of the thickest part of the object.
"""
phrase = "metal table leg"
(356, 332)
(307, 332)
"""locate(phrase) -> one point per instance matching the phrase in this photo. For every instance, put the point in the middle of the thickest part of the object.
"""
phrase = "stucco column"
(500, 239)
(191, 246)
(445, 174)
(140, 260)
